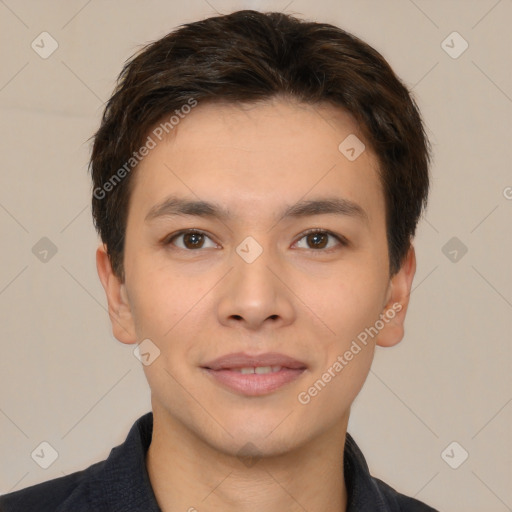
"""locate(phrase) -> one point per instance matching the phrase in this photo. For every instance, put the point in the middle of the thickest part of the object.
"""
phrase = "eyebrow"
(173, 205)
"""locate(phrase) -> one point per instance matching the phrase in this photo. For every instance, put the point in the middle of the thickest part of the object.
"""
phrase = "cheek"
(172, 309)
(345, 302)
(348, 307)
(330, 392)
(158, 300)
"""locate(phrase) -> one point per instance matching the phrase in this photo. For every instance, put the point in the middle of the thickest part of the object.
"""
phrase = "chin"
(250, 450)
(258, 440)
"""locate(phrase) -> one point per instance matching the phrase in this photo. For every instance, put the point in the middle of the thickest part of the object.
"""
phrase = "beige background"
(65, 379)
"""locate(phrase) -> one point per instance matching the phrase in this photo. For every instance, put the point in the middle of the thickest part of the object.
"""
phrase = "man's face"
(306, 296)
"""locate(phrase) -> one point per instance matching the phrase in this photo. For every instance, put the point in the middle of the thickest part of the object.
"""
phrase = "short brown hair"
(248, 56)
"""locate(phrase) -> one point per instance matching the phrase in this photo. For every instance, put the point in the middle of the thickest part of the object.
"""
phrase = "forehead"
(280, 127)
(246, 155)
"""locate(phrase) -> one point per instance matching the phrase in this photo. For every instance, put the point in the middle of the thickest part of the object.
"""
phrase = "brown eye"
(191, 240)
(318, 239)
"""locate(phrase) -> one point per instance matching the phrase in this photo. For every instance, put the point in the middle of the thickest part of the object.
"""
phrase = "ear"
(397, 302)
(119, 308)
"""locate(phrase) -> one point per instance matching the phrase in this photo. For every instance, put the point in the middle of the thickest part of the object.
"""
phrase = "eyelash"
(341, 239)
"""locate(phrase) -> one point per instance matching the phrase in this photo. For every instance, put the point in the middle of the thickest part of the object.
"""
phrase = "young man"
(257, 181)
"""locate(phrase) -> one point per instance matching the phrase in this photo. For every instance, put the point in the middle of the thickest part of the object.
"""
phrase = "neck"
(189, 474)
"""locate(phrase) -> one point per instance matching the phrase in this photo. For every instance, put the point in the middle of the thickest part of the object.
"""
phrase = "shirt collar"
(126, 480)
(363, 492)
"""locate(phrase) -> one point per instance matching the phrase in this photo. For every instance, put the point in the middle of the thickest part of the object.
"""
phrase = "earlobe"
(397, 302)
(119, 309)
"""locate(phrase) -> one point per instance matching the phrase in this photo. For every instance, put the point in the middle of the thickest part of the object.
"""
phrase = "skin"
(196, 304)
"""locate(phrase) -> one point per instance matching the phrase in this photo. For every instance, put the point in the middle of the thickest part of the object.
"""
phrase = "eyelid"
(340, 238)
(167, 240)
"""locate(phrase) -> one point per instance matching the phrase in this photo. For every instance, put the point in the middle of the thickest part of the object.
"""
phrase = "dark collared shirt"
(121, 484)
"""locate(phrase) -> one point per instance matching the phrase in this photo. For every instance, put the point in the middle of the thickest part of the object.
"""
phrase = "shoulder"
(400, 502)
(57, 495)
(366, 492)
(119, 483)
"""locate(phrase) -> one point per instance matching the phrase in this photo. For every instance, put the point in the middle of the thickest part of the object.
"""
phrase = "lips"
(254, 375)
(239, 360)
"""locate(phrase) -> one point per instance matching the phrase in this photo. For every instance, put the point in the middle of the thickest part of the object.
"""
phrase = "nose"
(255, 294)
